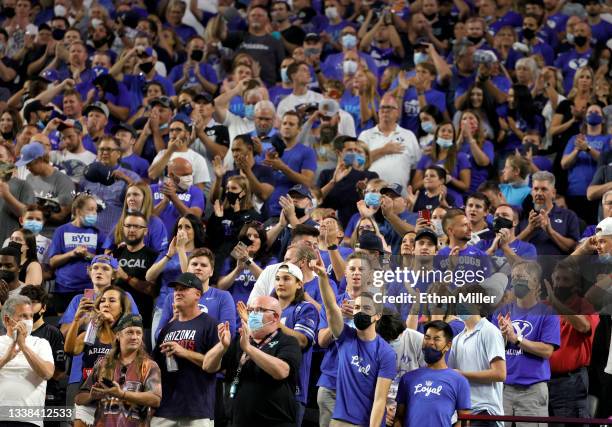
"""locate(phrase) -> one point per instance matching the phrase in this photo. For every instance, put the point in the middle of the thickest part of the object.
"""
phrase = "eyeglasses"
(134, 226)
(108, 150)
(258, 310)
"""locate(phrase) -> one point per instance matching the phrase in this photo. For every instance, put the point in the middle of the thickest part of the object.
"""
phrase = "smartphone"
(107, 382)
(89, 294)
(234, 253)
(425, 214)
(246, 241)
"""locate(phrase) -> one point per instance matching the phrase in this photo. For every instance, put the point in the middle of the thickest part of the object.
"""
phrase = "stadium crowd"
(305, 212)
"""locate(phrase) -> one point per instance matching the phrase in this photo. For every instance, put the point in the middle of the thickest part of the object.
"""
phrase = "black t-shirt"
(190, 391)
(260, 399)
(136, 264)
(219, 134)
(294, 35)
(344, 196)
(55, 394)
(560, 140)
(266, 50)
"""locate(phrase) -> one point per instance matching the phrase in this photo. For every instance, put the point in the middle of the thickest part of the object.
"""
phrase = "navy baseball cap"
(394, 188)
(300, 189)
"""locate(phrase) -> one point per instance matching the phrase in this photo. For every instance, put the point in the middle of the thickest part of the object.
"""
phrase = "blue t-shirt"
(479, 173)
(184, 31)
(601, 32)
(345, 251)
(303, 318)
(351, 104)
(217, 303)
(136, 83)
(540, 324)
(76, 371)
(469, 259)
(206, 71)
(433, 395)
(462, 163)
(171, 271)
(192, 198)
(278, 93)
(510, 19)
(515, 194)
(136, 164)
(156, 237)
(312, 288)
(360, 364)
(568, 63)
(582, 171)
(539, 48)
(411, 108)
(72, 276)
(298, 158)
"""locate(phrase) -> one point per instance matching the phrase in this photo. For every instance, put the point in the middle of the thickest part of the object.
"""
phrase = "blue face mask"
(360, 158)
(33, 225)
(463, 312)
(444, 143)
(40, 124)
(284, 76)
(255, 321)
(164, 126)
(428, 127)
(372, 199)
(186, 109)
(249, 111)
(349, 159)
(419, 57)
(90, 220)
(605, 258)
(100, 71)
(431, 355)
(594, 119)
(349, 41)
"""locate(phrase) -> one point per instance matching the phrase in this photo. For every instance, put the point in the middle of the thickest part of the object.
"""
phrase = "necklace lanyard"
(243, 359)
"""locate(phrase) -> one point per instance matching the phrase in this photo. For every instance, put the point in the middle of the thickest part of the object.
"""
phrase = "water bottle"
(90, 333)
(171, 365)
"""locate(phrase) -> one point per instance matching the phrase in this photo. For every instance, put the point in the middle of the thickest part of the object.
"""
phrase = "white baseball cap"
(292, 269)
(604, 228)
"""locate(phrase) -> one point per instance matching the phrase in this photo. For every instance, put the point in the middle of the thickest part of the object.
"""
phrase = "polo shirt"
(563, 221)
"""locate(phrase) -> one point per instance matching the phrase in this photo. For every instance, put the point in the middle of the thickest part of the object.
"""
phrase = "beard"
(134, 242)
(327, 133)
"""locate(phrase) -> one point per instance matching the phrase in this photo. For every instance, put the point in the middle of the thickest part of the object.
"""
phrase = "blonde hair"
(246, 201)
(146, 209)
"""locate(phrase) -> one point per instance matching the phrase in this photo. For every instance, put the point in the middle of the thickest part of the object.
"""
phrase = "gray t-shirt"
(57, 186)
(9, 222)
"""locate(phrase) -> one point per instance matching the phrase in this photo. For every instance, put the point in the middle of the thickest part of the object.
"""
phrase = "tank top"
(23, 271)
(91, 354)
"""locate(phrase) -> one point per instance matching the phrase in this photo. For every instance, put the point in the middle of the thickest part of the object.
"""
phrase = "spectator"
(97, 114)
(30, 270)
(73, 158)
(514, 174)
(454, 397)
(263, 387)
(155, 134)
(292, 36)
(9, 268)
(531, 332)
(194, 73)
(126, 134)
(24, 372)
(471, 141)
(33, 219)
(15, 195)
(577, 56)
(187, 391)
(434, 193)
(476, 210)
(299, 75)
(126, 364)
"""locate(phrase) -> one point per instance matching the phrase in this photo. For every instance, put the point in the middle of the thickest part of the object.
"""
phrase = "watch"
(332, 247)
(248, 261)
(519, 340)
(588, 149)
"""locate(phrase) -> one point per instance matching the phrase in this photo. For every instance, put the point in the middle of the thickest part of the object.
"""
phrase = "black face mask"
(528, 33)
(564, 294)
(58, 34)
(197, 55)
(300, 212)
(475, 40)
(430, 17)
(500, 222)
(146, 67)
(8, 276)
(232, 197)
(7, 135)
(99, 43)
(9, 12)
(520, 288)
(580, 41)
(362, 321)
(36, 317)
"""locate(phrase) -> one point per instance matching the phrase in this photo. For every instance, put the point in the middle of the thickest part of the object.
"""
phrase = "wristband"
(168, 256)
(332, 247)
(518, 341)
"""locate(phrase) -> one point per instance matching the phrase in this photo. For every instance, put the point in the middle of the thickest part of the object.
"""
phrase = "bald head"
(267, 302)
(180, 167)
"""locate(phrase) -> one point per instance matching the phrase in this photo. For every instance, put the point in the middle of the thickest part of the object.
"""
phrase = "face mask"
(146, 67)
(58, 34)
(331, 12)
(232, 197)
(499, 223)
(255, 321)
(349, 159)
(360, 158)
(9, 12)
(520, 288)
(7, 276)
(90, 220)
(428, 127)
(604, 62)
(431, 355)
(580, 41)
(164, 126)
(7, 135)
(249, 112)
(29, 324)
(197, 55)
(284, 76)
(312, 51)
(349, 41)
(59, 10)
(372, 199)
(349, 67)
(99, 71)
(185, 182)
(36, 317)
(362, 321)
(605, 258)
(33, 225)
(563, 293)
(419, 57)
(99, 43)
(528, 33)
(186, 109)
(475, 40)
(463, 312)
(300, 212)
(437, 225)
(594, 119)
(444, 143)
(570, 38)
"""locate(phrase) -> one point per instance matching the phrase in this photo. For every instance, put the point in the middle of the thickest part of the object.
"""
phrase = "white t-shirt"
(236, 125)
(19, 384)
(265, 282)
(201, 174)
(73, 164)
(346, 126)
(393, 168)
(291, 101)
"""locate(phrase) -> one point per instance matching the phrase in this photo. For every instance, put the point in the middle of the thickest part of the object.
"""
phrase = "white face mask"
(349, 67)
(331, 12)
(185, 182)
(59, 10)
(29, 324)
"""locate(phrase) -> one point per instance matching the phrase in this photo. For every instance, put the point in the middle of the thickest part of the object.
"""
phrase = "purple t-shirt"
(192, 198)
(411, 109)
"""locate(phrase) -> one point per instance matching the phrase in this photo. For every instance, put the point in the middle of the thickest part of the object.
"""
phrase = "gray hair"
(544, 176)
(606, 194)
(265, 105)
(10, 306)
(531, 64)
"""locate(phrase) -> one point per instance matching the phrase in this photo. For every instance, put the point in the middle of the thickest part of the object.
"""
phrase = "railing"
(527, 419)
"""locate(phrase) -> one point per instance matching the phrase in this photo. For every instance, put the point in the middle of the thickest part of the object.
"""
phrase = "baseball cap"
(125, 126)
(189, 280)
(99, 106)
(164, 101)
(370, 241)
(292, 269)
(395, 188)
(128, 321)
(29, 153)
(301, 190)
(105, 259)
(204, 97)
(34, 106)
(604, 228)
(50, 75)
(329, 107)
(70, 124)
(99, 173)
(427, 233)
(312, 37)
(183, 119)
